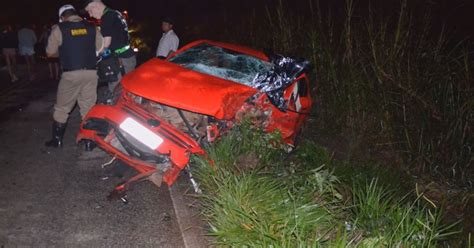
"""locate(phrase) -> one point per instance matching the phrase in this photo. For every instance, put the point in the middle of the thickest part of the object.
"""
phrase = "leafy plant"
(297, 202)
(389, 221)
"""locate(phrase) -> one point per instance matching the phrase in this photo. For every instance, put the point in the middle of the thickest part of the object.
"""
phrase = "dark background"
(458, 15)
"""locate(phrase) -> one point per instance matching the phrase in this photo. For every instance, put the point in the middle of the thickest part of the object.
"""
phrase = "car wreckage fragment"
(170, 109)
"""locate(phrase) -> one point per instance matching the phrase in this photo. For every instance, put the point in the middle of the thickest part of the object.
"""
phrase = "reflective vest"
(77, 50)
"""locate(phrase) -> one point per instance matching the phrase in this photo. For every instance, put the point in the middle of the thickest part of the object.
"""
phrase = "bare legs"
(30, 63)
(11, 64)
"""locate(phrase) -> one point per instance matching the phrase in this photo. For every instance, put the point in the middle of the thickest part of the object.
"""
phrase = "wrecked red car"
(168, 108)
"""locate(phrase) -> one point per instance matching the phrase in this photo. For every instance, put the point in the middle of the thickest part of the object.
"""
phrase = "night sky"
(457, 13)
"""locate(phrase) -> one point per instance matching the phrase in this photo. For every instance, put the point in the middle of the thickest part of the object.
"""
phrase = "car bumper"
(104, 124)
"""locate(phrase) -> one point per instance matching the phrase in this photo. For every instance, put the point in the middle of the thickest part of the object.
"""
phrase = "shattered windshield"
(222, 63)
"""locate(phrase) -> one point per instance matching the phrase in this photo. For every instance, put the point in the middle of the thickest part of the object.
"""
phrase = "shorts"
(9, 52)
(27, 51)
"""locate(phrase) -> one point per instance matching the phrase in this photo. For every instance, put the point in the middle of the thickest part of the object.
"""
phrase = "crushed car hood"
(176, 86)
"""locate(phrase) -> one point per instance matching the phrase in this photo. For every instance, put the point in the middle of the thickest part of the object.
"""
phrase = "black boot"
(89, 145)
(58, 134)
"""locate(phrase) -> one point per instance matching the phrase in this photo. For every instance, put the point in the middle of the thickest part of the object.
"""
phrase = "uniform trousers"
(75, 86)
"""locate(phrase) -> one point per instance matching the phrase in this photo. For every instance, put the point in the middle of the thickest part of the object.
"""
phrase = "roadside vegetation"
(393, 84)
(390, 79)
(255, 194)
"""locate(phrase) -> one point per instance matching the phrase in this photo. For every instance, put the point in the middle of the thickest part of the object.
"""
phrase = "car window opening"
(222, 63)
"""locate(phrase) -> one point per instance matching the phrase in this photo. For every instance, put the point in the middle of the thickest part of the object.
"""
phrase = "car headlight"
(141, 133)
(135, 98)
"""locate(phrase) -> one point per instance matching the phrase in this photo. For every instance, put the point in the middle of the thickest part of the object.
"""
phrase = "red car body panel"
(176, 86)
(290, 122)
(176, 145)
(173, 85)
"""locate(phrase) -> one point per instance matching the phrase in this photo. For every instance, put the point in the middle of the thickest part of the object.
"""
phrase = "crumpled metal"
(274, 82)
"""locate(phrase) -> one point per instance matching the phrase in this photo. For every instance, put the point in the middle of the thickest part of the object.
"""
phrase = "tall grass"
(395, 222)
(253, 205)
(296, 201)
(389, 80)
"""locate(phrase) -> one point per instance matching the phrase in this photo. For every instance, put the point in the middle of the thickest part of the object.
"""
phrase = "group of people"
(78, 43)
(24, 42)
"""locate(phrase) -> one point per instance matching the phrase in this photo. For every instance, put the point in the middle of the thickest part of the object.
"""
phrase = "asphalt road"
(57, 197)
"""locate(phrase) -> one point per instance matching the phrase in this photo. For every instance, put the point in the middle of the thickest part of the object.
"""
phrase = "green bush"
(297, 201)
(254, 207)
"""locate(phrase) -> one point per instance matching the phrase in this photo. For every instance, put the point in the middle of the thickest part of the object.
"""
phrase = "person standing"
(26, 44)
(53, 62)
(169, 42)
(9, 45)
(114, 29)
(76, 41)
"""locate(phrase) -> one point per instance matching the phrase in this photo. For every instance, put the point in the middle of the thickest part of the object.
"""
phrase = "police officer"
(76, 41)
(114, 29)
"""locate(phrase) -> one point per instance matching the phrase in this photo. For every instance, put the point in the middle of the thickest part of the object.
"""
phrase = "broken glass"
(271, 78)
(222, 63)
